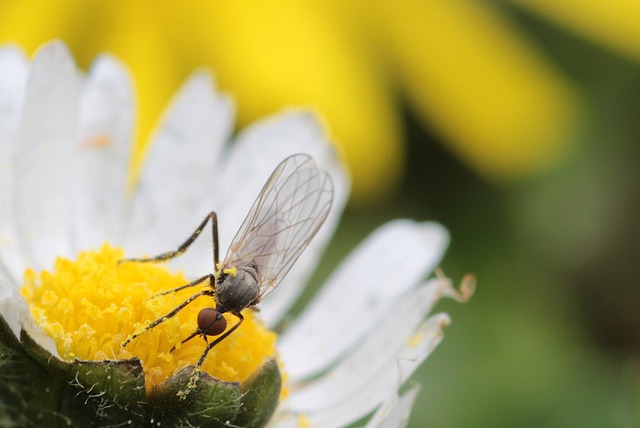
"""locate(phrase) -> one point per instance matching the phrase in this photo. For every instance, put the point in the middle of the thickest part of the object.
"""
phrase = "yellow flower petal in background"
(31, 23)
(471, 75)
(136, 36)
(270, 55)
(613, 23)
(476, 80)
(282, 53)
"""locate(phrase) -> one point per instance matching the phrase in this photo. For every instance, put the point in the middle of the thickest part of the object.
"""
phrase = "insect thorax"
(239, 290)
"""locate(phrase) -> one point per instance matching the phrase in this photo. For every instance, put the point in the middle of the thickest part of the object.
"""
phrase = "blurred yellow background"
(516, 123)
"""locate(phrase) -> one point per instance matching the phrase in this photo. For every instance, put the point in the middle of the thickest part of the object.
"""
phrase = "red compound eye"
(211, 322)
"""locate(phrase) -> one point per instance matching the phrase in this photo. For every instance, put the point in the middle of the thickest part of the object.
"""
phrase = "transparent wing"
(288, 212)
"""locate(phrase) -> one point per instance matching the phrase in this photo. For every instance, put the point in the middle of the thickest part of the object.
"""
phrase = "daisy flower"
(69, 216)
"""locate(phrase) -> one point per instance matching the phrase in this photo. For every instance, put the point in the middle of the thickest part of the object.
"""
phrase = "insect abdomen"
(236, 292)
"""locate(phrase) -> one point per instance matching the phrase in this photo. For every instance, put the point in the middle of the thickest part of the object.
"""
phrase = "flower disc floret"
(90, 306)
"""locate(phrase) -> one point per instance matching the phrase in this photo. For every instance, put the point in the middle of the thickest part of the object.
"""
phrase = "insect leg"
(198, 281)
(214, 240)
(221, 338)
(183, 247)
(191, 336)
(170, 314)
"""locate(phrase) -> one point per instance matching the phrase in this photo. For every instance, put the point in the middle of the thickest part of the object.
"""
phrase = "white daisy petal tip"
(308, 124)
(109, 68)
(14, 66)
(311, 127)
(290, 131)
(202, 84)
(465, 290)
(410, 251)
(204, 79)
(12, 57)
(12, 50)
(300, 117)
(12, 307)
(15, 312)
(396, 411)
(53, 52)
(431, 331)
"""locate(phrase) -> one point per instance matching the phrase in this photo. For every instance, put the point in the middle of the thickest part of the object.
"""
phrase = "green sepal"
(38, 389)
(208, 402)
(7, 337)
(260, 396)
(25, 387)
(193, 398)
(104, 393)
(93, 393)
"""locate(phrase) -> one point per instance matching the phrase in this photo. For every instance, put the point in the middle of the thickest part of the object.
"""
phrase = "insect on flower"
(289, 210)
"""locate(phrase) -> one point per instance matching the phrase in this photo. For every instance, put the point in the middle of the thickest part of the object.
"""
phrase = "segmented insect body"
(238, 290)
(291, 207)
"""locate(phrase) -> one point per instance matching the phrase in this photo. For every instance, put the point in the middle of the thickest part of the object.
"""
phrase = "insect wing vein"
(288, 212)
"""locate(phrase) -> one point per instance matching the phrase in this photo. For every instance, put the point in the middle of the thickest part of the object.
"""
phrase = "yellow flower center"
(92, 305)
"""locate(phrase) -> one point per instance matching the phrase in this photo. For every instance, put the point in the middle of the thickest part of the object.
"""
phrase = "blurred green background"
(552, 336)
(515, 123)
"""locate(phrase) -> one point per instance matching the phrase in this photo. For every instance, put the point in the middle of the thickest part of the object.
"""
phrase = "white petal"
(371, 357)
(13, 75)
(102, 156)
(252, 158)
(44, 156)
(14, 310)
(362, 382)
(393, 259)
(395, 412)
(12, 307)
(177, 183)
(284, 419)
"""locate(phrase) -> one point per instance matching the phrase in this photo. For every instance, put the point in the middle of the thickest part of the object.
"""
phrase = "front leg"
(183, 247)
(221, 338)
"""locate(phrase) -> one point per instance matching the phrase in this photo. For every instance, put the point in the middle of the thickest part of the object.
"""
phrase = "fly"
(286, 215)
